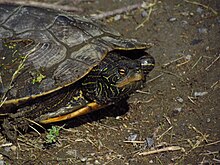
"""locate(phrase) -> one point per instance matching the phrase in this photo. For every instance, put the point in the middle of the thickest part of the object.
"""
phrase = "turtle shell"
(44, 50)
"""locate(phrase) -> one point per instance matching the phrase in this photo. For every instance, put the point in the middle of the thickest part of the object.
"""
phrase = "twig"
(141, 102)
(25, 142)
(199, 132)
(106, 126)
(137, 142)
(164, 133)
(210, 153)
(204, 6)
(75, 2)
(155, 78)
(171, 73)
(32, 121)
(217, 160)
(171, 148)
(213, 85)
(35, 130)
(115, 157)
(168, 120)
(143, 92)
(116, 11)
(3, 100)
(213, 143)
(44, 5)
(167, 64)
(197, 62)
(183, 63)
(198, 142)
(6, 145)
(191, 99)
(207, 68)
(150, 7)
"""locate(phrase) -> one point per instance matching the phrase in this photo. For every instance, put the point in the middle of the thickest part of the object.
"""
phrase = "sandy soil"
(176, 115)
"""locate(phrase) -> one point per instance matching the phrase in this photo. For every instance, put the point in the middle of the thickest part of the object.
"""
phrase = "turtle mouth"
(130, 80)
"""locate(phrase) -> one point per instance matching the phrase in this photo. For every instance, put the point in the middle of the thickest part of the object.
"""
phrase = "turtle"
(55, 65)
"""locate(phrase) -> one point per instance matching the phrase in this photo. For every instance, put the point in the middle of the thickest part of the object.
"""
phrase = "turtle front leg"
(45, 119)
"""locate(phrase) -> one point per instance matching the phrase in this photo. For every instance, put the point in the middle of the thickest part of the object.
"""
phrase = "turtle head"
(116, 77)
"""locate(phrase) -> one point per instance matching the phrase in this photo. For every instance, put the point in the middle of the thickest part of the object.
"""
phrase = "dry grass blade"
(170, 148)
(210, 153)
(2, 101)
(24, 142)
(44, 5)
(207, 68)
(32, 121)
(197, 62)
(171, 73)
(191, 99)
(137, 142)
(35, 130)
(215, 84)
(183, 63)
(172, 61)
(150, 7)
(6, 145)
(164, 133)
(116, 11)
(155, 78)
(143, 92)
(202, 5)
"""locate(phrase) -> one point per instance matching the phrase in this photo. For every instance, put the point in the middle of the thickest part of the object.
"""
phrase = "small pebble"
(97, 162)
(188, 57)
(88, 163)
(117, 17)
(151, 161)
(184, 22)
(2, 58)
(199, 94)
(191, 14)
(92, 154)
(83, 159)
(172, 19)
(207, 48)
(13, 148)
(117, 117)
(199, 10)
(179, 99)
(144, 5)
(132, 137)
(208, 120)
(185, 13)
(150, 142)
(203, 30)
(178, 109)
(144, 14)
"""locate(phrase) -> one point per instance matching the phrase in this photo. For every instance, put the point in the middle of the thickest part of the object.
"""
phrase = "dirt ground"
(173, 120)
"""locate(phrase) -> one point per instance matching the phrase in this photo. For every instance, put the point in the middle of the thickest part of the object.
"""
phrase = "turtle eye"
(122, 71)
